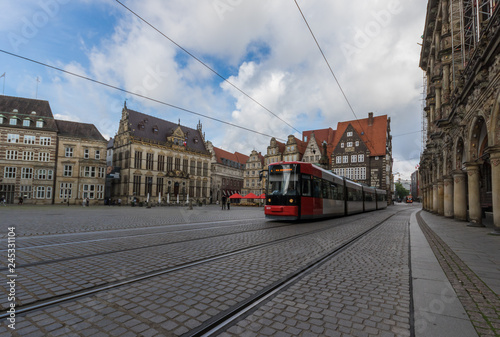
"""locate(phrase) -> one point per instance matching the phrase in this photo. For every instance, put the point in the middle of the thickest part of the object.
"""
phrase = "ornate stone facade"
(458, 174)
(160, 160)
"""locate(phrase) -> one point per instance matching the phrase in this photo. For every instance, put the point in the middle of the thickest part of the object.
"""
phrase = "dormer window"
(140, 126)
(195, 140)
(155, 129)
(39, 124)
(26, 122)
(13, 121)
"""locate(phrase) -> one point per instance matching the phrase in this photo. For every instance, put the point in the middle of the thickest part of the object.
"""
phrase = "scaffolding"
(424, 114)
(468, 19)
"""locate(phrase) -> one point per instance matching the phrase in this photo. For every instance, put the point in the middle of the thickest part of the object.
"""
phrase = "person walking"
(228, 204)
(2, 200)
(224, 202)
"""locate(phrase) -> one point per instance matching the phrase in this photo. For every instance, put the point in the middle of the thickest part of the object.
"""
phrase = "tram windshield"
(283, 180)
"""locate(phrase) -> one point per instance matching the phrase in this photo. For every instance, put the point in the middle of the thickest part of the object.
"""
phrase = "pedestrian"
(228, 204)
(84, 202)
(21, 200)
(119, 202)
(224, 202)
(88, 202)
(2, 200)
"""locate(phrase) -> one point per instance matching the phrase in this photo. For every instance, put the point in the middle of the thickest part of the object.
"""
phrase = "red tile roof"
(321, 135)
(374, 136)
(235, 157)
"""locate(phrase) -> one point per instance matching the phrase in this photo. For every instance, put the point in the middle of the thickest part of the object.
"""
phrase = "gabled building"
(319, 146)
(362, 151)
(81, 164)
(253, 167)
(228, 171)
(160, 160)
(28, 143)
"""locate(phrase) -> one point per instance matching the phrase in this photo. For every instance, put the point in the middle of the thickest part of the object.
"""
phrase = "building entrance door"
(7, 191)
(176, 189)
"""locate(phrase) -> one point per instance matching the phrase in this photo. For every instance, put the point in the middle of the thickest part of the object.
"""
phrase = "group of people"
(226, 201)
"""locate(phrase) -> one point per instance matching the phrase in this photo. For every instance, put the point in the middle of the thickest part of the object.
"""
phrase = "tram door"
(7, 191)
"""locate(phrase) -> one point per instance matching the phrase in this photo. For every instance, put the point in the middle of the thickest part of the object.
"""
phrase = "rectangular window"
(9, 172)
(138, 160)
(345, 159)
(86, 154)
(68, 152)
(44, 156)
(137, 185)
(159, 186)
(161, 163)
(26, 191)
(65, 191)
(349, 134)
(342, 145)
(361, 158)
(198, 168)
(97, 154)
(45, 174)
(28, 155)
(88, 171)
(169, 164)
(177, 164)
(39, 124)
(40, 192)
(100, 192)
(45, 141)
(27, 173)
(68, 171)
(149, 161)
(205, 169)
(354, 158)
(12, 138)
(13, 121)
(88, 191)
(26, 122)
(102, 172)
(29, 140)
(11, 154)
(349, 144)
(357, 143)
(185, 165)
(338, 160)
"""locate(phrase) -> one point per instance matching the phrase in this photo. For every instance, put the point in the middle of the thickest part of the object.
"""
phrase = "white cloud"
(267, 51)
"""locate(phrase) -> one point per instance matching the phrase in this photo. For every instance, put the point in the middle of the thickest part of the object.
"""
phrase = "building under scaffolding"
(460, 164)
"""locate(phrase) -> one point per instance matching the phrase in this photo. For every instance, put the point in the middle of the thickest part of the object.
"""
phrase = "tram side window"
(325, 189)
(306, 185)
(316, 188)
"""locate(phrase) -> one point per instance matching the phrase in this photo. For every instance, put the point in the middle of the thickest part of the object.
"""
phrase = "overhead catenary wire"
(136, 94)
(205, 65)
(329, 67)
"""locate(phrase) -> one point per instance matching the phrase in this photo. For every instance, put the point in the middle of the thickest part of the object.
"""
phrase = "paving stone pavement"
(389, 283)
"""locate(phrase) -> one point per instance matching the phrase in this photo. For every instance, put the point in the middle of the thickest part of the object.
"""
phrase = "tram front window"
(283, 180)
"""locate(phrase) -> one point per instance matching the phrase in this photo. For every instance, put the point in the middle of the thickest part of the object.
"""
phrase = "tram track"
(227, 318)
(44, 303)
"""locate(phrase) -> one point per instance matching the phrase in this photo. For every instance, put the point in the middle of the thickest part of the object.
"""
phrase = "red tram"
(297, 190)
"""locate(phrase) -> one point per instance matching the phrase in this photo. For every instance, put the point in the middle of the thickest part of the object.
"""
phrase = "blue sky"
(262, 47)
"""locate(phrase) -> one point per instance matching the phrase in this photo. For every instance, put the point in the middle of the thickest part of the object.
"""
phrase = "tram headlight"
(269, 200)
(291, 201)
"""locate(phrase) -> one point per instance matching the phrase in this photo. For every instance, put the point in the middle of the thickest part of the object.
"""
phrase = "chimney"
(370, 119)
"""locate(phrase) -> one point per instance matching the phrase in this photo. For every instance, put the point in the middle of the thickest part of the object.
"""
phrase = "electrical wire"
(205, 65)
(136, 94)
(329, 67)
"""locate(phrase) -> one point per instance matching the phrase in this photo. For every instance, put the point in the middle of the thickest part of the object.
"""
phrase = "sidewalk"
(460, 296)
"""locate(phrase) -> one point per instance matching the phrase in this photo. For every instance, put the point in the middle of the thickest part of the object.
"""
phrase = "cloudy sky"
(262, 47)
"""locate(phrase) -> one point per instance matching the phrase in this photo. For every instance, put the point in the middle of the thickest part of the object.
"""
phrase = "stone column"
(474, 196)
(459, 196)
(440, 197)
(495, 188)
(448, 197)
(435, 197)
(424, 198)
